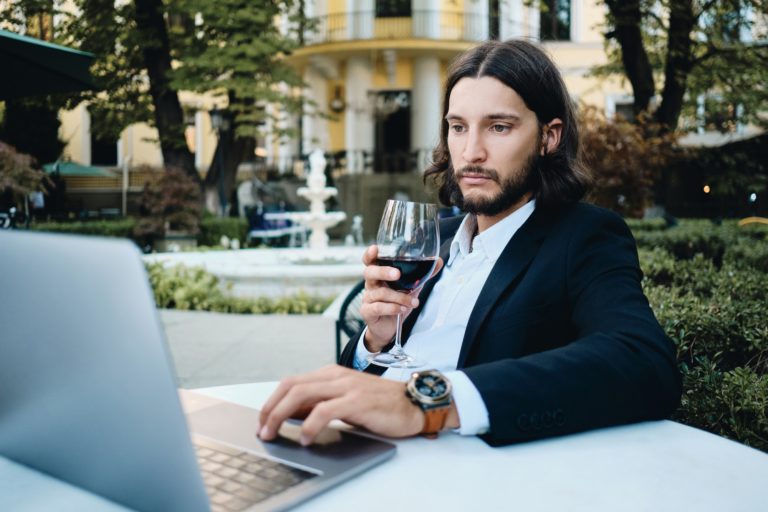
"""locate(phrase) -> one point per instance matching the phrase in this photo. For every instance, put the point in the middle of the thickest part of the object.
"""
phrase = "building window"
(103, 151)
(555, 24)
(393, 8)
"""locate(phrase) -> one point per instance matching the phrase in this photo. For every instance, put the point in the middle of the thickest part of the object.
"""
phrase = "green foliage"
(171, 202)
(122, 228)
(195, 289)
(213, 228)
(624, 159)
(723, 64)
(17, 173)
(239, 53)
(710, 294)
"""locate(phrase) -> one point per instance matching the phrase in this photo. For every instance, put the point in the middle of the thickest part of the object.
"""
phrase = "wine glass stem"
(398, 348)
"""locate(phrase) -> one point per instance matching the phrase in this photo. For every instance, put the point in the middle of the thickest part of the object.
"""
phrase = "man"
(535, 319)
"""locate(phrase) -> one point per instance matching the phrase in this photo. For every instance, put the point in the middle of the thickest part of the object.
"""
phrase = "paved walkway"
(214, 349)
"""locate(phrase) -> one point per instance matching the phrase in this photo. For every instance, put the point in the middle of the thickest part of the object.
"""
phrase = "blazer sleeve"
(620, 366)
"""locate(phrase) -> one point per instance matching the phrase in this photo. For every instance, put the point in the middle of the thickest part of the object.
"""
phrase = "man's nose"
(474, 150)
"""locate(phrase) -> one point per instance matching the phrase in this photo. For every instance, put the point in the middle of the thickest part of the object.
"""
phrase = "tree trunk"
(678, 65)
(169, 116)
(627, 21)
(222, 177)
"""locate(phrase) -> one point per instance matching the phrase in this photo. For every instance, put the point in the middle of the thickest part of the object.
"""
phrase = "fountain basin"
(276, 272)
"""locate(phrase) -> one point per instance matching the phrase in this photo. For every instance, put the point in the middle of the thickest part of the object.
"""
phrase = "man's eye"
(500, 128)
(457, 128)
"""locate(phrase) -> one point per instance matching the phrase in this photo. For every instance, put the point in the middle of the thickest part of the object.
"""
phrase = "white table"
(654, 466)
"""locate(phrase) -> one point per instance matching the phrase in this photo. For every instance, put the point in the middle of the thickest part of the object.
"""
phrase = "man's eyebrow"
(493, 117)
(503, 117)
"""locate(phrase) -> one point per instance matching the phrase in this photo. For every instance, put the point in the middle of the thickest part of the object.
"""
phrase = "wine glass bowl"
(408, 240)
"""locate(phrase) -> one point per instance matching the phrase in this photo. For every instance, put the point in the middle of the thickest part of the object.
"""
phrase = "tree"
(715, 47)
(169, 117)
(235, 50)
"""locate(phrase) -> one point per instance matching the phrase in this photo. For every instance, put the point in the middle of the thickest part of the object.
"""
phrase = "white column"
(534, 20)
(85, 120)
(512, 19)
(315, 129)
(426, 18)
(576, 30)
(358, 121)
(200, 139)
(425, 108)
(360, 14)
(476, 20)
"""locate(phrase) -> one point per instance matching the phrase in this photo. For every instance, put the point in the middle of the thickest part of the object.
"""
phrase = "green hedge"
(213, 228)
(708, 286)
(122, 228)
(194, 289)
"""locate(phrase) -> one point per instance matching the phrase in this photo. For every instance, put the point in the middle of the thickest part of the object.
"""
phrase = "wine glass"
(408, 240)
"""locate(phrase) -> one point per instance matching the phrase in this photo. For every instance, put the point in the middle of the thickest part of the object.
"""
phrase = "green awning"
(75, 169)
(33, 67)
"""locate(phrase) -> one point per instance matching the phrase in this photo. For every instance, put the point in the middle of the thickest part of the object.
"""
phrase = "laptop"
(88, 393)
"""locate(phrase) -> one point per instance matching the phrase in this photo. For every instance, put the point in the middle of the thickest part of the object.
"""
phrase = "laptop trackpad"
(237, 425)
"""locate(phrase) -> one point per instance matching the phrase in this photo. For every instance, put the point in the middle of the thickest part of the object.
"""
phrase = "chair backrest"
(350, 322)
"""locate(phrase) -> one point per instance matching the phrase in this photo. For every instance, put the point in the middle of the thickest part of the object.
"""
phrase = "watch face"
(429, 387)
(433, 386)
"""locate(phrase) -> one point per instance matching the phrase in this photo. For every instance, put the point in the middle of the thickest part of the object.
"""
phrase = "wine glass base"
(390, 360)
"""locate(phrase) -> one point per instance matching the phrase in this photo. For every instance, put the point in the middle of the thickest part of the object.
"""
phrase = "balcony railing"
(435, 25)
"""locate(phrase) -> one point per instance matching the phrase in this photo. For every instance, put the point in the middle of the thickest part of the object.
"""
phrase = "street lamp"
(220, 123)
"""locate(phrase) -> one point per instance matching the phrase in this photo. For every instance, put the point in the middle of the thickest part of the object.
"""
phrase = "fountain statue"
(317, 219)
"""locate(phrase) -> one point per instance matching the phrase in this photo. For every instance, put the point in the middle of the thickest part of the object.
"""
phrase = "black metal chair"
(350, 322)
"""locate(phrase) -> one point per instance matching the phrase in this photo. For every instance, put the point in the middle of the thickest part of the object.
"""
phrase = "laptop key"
(235, 480)
(250, 494)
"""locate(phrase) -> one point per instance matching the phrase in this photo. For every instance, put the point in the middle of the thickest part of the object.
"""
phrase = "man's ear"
(550, 137)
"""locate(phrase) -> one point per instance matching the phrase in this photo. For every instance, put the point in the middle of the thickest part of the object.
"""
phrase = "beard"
(512, 189)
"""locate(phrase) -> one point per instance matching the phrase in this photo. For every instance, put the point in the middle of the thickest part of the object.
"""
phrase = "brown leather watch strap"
(434, 421)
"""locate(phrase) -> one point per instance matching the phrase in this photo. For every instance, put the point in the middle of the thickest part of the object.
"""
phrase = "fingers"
(370, 255)
(386, 296)
(323, 414)
(285, 385)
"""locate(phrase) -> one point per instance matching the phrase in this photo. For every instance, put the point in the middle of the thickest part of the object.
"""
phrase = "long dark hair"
(560, 178)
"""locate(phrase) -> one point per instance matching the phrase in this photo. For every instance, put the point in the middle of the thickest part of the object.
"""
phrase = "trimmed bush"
(194, 289)
(122, 228)
(213, 228)
(708, 286)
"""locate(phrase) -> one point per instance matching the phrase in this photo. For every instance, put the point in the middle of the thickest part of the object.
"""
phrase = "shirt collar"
(494, 239)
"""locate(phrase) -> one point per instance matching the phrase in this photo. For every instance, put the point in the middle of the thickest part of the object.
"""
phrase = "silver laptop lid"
(87, 392)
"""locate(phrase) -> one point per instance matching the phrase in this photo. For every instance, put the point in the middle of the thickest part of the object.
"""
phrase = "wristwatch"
(431, 391)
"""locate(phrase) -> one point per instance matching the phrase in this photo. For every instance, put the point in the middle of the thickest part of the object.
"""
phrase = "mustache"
(477, 171)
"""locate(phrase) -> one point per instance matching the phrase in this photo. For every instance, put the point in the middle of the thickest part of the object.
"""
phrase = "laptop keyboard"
(236, 480)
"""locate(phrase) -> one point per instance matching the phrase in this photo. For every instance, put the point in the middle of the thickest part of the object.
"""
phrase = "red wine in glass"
(413, 271)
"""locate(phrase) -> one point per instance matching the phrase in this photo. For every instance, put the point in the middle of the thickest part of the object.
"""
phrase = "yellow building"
(377, 68)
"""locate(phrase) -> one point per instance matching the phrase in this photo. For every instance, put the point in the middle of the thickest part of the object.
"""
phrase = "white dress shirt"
(438, 333)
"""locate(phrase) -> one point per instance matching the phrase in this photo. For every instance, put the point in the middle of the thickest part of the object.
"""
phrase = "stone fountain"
(317, 219)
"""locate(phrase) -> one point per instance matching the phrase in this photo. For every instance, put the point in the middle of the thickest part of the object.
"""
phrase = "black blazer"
(561, 338)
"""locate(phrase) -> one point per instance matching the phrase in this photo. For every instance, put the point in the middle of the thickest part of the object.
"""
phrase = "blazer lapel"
(515, 257)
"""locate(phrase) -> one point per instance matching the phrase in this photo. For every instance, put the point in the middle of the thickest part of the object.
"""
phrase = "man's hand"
(381, 304)
(335, 392)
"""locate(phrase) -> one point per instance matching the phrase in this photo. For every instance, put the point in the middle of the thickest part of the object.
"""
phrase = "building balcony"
(365, 25)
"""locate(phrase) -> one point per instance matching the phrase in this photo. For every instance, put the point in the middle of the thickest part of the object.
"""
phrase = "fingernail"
(403, 309)
(414, 302)
(304, 440)
(264, 432)
(393, 274)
